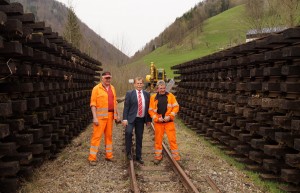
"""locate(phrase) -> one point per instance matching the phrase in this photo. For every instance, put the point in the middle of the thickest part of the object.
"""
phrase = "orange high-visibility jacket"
(172, 108)
(99, 99)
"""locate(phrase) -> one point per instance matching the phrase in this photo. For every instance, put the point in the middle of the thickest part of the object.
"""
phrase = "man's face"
(138, 84)
(161, 89)
(106, 81)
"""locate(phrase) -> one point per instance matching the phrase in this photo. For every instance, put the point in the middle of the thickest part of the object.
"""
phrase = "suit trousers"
(138, 124)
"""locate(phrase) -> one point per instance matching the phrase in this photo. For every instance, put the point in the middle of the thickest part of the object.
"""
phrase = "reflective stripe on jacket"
(99, 99)
(172, 107)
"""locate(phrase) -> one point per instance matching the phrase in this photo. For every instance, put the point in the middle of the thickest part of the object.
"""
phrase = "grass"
(268, 186)
(219, 32)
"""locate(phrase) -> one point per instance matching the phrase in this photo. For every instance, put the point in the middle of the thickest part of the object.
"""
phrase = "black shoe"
(129, 157)
(140, 161)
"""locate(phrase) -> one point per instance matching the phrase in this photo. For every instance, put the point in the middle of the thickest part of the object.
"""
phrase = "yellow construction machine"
(155, 75)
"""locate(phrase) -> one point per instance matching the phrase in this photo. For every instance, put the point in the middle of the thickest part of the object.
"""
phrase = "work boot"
(93, 163)
(129, 156)
(156, 162)
(110, 160)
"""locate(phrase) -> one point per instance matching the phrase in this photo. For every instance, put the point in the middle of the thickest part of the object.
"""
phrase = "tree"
(272, 14)
(224, 5)
(72, 31)
(290, 12)
(255, 14)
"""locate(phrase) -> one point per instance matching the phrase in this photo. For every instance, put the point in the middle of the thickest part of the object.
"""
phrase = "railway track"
(168, 176)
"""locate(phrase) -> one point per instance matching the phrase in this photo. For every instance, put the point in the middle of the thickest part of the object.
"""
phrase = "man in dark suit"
(135, 115)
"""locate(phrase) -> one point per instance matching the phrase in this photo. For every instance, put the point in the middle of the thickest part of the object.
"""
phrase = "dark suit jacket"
(131, 106)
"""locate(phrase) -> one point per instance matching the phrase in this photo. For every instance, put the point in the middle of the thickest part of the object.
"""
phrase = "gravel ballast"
(71, 172)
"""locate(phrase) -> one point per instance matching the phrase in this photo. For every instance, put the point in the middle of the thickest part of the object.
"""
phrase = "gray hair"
(160, 83)
(138, 78)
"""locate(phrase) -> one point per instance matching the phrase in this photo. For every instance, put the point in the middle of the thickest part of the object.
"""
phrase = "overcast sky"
(129, 24)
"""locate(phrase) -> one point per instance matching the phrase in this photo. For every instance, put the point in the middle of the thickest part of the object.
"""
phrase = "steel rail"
(133, 180)
(188, 184)
(212, 184)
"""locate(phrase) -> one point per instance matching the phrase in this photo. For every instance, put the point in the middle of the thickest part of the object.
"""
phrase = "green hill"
(219, 32)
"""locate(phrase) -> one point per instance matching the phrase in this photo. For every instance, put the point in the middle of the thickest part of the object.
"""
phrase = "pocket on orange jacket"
(100, 99)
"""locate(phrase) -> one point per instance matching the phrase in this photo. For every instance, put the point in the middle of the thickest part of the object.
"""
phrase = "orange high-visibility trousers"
(160, 129)
(105, 126)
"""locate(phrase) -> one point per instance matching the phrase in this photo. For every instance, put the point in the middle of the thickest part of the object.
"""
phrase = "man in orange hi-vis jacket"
(162, 108)
(104, 109)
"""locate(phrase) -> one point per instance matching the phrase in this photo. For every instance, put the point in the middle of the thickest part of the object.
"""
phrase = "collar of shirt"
(106, 87)
(137, 91)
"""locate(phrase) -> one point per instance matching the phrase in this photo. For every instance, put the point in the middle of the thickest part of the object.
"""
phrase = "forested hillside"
(190, 27)
(220, 30)
(193, 19)
(214, 25)
(55, 15)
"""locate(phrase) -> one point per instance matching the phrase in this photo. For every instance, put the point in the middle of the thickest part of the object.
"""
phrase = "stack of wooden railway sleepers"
(248, 98)
(45, 86)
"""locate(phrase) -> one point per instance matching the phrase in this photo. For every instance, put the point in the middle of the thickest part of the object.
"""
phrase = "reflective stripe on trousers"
(158, 154)
(105, 126)
(160, 129)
